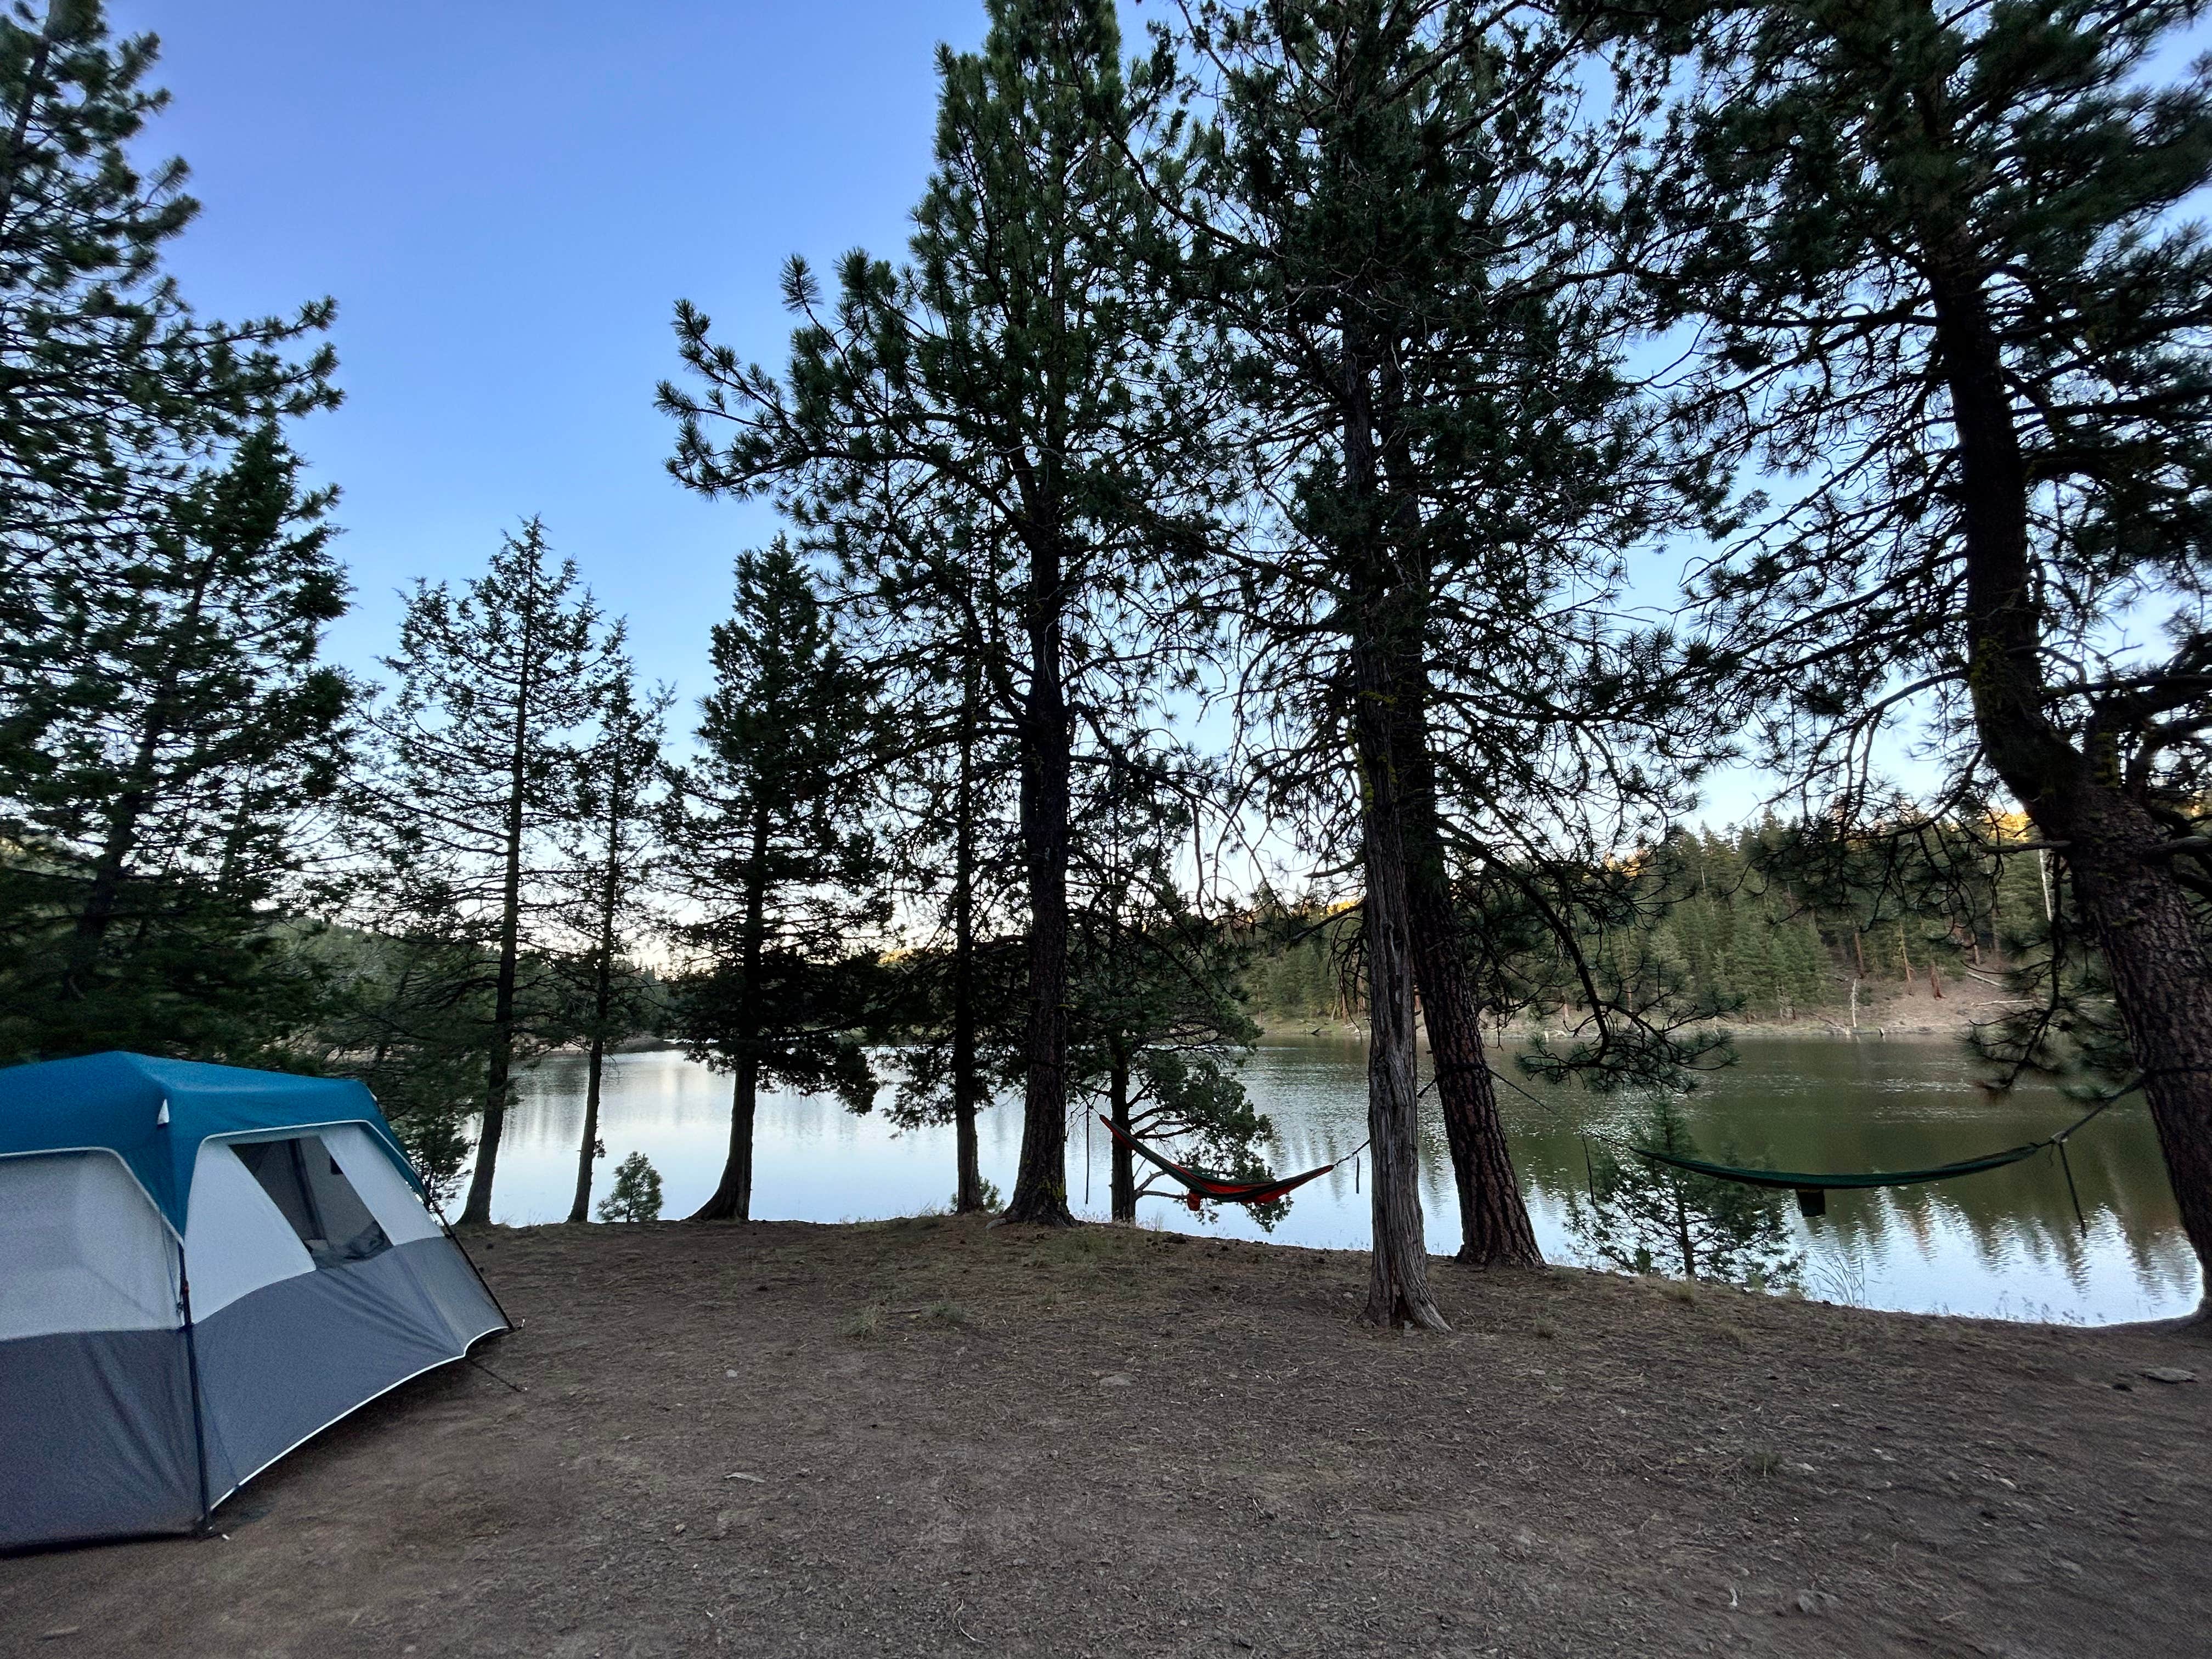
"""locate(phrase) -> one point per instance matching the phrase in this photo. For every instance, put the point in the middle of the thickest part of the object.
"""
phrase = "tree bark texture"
(1495, 1230)
(2141, 921)
(1040, 1192)
(1383, 612)
(966, 1085)
(1398, 1264)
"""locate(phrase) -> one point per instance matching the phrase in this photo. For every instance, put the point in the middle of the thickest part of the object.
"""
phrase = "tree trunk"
(1494, 1218)
(967, 1085)
(2142, 923)
(2136, 911)
(603, 988)
(1040, 1192)
(733, 1197)
(588, 1155)
(1398, 1264)
(478, 1209)
(1122, 1182)
(1385, 646)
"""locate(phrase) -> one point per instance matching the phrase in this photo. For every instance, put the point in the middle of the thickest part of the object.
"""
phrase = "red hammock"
(1204, 1183)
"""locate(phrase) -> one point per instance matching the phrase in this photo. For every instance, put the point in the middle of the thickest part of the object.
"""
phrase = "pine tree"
(113, 393)
(636, 1194)
(957, 989)
(181, 732)
(610, 854)
(496, 684)
(1013, 378)
(1393, 214)
(1940, 261)
(163, 585)
(769, 842)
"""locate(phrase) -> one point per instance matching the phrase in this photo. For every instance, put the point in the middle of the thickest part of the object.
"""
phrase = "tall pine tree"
(1398, 220)
(163, 585)
(1017, 366)
(497, 683)
(1940, 261)
(183, 730)
(771, 852)
(610, 853)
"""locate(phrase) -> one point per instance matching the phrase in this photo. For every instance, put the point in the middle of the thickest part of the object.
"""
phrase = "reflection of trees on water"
(2008, 1217)
(1653, 1217)
(1827, 1106)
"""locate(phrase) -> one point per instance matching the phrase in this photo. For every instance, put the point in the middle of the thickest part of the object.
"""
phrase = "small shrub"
(636, 1194)
(866, 1325)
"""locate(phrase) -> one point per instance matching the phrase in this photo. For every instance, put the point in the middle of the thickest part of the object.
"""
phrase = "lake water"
(2003, 1244)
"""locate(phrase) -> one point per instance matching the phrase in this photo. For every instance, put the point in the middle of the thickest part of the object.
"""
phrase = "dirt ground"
(926, 1438)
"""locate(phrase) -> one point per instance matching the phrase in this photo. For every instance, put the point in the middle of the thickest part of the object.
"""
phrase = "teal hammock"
(1813, 1187)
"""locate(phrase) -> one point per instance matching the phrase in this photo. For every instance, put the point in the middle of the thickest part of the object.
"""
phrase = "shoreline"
(1900, 1014)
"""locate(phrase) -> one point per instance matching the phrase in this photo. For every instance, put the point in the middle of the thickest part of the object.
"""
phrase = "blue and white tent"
(200, 1267)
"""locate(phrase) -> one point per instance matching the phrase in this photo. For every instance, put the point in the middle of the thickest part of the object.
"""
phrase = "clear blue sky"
(506, 199)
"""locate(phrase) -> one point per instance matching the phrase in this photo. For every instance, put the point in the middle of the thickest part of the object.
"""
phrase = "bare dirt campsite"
(928, 1437)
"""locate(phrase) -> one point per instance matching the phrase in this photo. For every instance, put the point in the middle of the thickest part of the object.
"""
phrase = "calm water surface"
(2005, 1243)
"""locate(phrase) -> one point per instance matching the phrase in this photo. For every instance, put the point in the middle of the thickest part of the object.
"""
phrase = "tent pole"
(430, 1195)
(453, 1238)
(192, 1378)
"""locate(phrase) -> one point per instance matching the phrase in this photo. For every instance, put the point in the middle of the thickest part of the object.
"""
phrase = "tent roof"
(115, 1101)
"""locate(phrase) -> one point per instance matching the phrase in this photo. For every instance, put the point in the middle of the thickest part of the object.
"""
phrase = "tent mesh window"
(307, 1184)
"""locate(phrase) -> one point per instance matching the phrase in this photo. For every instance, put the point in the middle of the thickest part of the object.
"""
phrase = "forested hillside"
(1762, 924)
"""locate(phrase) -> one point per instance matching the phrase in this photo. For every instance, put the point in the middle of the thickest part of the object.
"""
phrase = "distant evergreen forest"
(1753, 924)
